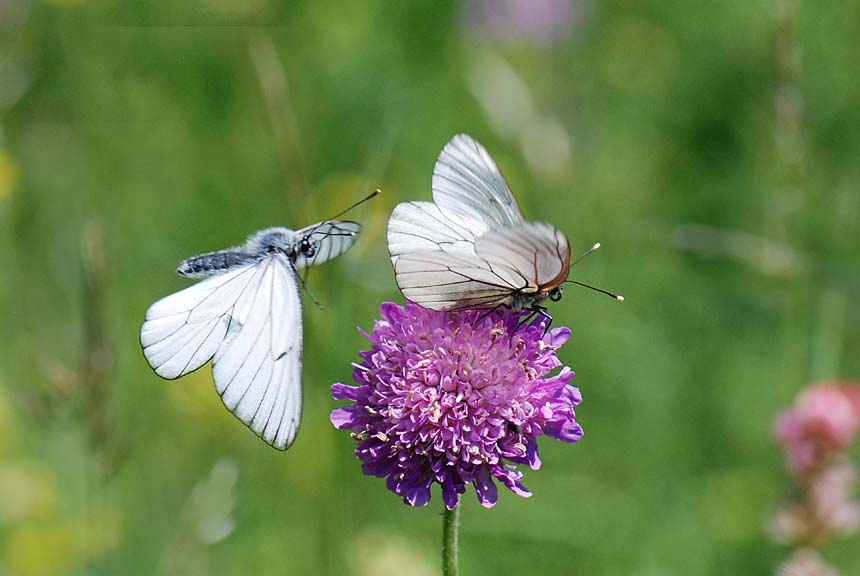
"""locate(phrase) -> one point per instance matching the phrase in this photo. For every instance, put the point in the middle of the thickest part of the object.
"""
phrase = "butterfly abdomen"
(212, 263)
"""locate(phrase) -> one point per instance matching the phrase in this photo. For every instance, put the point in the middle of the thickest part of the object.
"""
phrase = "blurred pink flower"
(816, 433)
(806, 562)
(829, 509)
(790, 524)
(832, 501)
(825, 418)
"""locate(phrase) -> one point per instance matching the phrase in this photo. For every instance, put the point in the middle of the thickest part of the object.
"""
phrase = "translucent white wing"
(449, 281)
(250, 320)
(468, 185)
(421, 226)
(258, 369)
(535, 250)
(182, 331)
(471, 248)
(531, 258)
(330, 238)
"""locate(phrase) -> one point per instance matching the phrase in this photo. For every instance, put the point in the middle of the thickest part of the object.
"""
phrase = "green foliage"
(135, 134)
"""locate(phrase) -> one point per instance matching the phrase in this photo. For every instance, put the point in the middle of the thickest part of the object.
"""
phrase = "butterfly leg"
(493, 309)
(302, 281)
(537, 310)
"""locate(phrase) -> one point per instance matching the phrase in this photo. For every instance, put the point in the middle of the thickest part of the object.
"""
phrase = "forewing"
(183, 331)
(258, 369)
(450, 281)
(535, 250)
(421, 226)
(331, 239)
(467, 184)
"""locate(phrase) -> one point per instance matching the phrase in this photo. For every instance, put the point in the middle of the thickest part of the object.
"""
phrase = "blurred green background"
(711, 147)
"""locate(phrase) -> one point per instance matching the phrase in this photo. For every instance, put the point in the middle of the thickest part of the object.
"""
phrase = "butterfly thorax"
(531, 300)
(271, 240)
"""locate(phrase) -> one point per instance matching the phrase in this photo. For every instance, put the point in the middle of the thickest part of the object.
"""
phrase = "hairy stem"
(450, 545)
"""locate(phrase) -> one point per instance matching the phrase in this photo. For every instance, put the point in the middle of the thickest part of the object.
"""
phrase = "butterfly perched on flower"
(471, 247)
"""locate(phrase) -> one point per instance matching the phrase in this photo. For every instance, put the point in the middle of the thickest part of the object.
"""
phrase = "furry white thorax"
(277, 237)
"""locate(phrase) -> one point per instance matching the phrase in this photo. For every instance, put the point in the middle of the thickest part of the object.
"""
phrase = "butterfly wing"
(331, 238)
(258, 369)
(468, 185)
(250, 320)
(451, 281)
(421, 226)
(434, 259)
(534, 250)
(184, 330)
(471, 247)
(531, 258)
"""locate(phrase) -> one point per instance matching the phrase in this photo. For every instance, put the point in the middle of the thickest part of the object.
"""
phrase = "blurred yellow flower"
(27, 490)
(10, 174)
(385, 553)
(42, 549)
(56, 545)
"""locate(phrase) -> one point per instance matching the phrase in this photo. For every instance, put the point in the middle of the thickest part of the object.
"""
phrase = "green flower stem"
(450, 544)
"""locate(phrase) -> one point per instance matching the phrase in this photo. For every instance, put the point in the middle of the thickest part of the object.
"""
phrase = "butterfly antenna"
(596, 245)
(342, 212)
(618, 297)
(362, 201)
(586, 253)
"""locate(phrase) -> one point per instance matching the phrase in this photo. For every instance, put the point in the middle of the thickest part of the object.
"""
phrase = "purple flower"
(539, 21)
(456, 398)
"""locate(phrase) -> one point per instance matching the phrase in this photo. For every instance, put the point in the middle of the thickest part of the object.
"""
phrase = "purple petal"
(532, 454)
(565, 430)
(345, 417)
(391, 311)
(557, 336)
(485, 488)
(450, 495)
(344, 392)
(510, 479)
(417, 495)
(572, 394)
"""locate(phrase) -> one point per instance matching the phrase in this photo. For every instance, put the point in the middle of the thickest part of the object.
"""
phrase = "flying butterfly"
(471, 248)
(246, 315)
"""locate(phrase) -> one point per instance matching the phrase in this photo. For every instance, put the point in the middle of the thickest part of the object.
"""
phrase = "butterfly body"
(246, 316)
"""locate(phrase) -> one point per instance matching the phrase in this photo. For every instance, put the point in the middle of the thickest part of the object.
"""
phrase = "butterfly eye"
(555, 295)
(307, 248)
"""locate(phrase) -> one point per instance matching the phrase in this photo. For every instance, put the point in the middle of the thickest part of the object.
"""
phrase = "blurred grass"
(178, 128)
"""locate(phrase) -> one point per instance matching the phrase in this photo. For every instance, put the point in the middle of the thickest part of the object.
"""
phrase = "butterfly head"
(307, 247)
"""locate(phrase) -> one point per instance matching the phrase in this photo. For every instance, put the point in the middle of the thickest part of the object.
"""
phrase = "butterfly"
(246, 315)
(471, 248)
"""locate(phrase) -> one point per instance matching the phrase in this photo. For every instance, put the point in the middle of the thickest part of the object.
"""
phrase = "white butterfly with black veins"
(471, 247)
(246, 315)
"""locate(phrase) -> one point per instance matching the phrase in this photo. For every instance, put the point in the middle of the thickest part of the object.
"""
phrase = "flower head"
(825, 418)
(816, 433)
(456, 398)
(538, 21)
